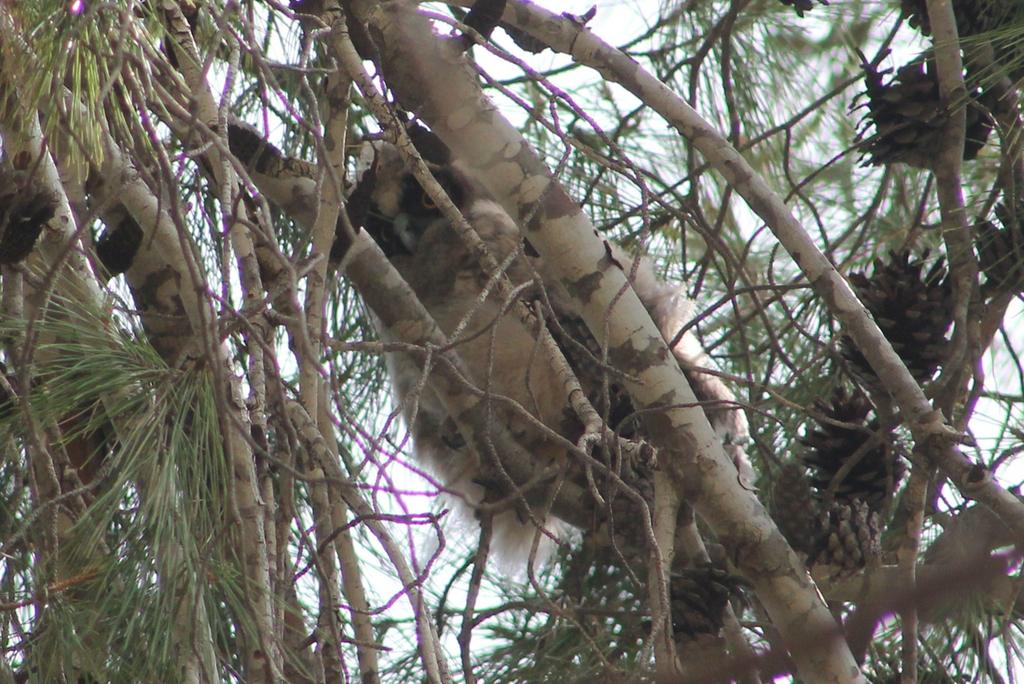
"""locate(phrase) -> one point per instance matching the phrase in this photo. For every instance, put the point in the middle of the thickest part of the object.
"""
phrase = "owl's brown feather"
(497, 346)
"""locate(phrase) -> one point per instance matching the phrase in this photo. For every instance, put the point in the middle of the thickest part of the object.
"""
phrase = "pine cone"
(908, 118)
(801, 6)
(1001, 250)
(878, 469)
(912, 311)
(974, 18)
(23, 213)
(698, 597)
(916, 13)
(852, 537)
(793, 508)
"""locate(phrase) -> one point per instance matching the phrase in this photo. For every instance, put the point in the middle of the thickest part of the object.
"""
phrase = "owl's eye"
(427, 202)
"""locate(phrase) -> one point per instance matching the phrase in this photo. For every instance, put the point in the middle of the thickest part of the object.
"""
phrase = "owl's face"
(396, 211)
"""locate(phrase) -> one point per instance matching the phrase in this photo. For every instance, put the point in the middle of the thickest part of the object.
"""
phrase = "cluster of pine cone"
(829, 503)
(850, 465)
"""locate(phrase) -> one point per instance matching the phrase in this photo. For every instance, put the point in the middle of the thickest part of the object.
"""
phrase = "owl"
(497, 346)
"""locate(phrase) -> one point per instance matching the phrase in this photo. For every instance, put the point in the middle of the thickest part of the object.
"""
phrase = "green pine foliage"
(141, 556)
(142, 560)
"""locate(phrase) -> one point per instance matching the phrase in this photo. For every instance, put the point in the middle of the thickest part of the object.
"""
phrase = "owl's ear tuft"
(357, 207)
(430, 147)
(454, 185)
(358, 203)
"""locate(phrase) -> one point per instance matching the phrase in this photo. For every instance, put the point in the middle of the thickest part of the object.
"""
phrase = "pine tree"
(204, 477)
